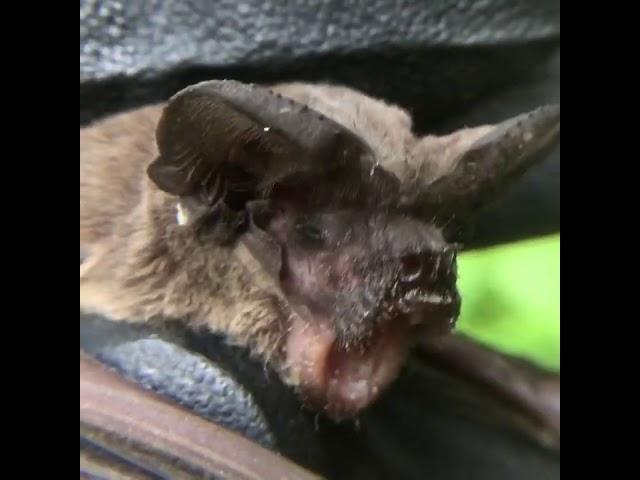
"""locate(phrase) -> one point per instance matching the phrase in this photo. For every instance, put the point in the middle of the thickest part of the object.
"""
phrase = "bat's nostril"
(412, 266)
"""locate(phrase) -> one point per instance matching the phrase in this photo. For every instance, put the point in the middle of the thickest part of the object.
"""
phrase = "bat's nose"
(412, 267)
(427, 269)
(426, 289)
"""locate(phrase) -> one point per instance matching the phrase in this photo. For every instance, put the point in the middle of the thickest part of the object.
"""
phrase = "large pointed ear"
(232, 142)
(460, 174)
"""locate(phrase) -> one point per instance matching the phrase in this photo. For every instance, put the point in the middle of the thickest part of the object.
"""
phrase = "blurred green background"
(511, 298)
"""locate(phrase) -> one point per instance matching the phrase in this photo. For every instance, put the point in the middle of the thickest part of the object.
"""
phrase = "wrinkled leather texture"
(434, 57)
(146, 38)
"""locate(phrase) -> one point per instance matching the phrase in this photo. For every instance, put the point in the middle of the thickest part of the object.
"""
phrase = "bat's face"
(343, 219)
(363, 285)
(358, 270)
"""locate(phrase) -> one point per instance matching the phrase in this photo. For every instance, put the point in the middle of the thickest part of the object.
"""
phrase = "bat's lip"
(343, 380)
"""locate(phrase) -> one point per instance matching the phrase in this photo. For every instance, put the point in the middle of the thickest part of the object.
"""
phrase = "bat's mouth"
(344, 380)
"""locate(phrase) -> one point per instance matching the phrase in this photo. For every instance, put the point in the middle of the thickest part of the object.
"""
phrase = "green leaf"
(511, 298)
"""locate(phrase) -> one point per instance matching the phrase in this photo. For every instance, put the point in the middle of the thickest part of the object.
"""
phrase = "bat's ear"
(461, 173)
(224, 140)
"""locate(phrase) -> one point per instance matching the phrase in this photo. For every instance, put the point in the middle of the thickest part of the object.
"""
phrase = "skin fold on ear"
(460, 174)
(224, 140)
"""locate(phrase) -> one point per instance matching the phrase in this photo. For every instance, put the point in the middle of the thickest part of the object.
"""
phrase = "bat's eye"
(310, 230)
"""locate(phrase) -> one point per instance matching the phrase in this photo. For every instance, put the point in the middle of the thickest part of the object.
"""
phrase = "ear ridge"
(197, 135)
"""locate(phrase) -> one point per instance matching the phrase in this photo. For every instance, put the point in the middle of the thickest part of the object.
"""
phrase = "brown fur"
(140, 267)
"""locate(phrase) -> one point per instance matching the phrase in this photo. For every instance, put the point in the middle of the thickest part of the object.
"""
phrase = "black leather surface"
(148, 38)
(435, 57)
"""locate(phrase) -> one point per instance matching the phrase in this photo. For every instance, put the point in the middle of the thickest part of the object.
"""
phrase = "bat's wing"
(532, 393)
(459, 410)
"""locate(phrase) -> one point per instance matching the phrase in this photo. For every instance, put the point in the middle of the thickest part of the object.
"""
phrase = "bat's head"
(343, 207)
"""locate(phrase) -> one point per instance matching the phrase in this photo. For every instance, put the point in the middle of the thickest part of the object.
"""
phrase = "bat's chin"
(343, 381)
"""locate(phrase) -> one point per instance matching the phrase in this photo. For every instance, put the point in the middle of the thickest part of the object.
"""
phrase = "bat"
(306, 222)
